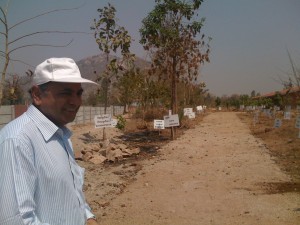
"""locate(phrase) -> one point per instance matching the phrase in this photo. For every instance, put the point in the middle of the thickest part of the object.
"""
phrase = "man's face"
(59, 102)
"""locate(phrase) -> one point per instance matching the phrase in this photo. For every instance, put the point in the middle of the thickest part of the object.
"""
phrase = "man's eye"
(79, 93)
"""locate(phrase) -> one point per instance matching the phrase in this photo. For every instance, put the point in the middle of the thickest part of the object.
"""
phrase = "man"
(40, 181)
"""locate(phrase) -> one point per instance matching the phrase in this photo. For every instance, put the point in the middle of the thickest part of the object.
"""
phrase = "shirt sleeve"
(87, 208)
(17, 186)
(88, 212)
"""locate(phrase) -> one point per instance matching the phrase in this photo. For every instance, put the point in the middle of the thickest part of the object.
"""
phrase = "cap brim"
(74, 80)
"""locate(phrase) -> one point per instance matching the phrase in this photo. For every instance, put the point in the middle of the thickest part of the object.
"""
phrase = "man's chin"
(69, 118)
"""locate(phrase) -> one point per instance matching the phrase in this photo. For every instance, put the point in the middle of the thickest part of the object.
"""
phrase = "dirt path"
(217, 174)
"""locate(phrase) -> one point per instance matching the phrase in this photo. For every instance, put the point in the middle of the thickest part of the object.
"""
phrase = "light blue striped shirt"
(40, 182)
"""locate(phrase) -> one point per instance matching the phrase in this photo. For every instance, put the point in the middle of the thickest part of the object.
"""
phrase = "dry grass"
(283, 142)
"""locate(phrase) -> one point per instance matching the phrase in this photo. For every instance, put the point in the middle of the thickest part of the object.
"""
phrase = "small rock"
(78, 155)
(122, 146)
(114, 155)
(132, 151)
(87, 156)
(97, 159)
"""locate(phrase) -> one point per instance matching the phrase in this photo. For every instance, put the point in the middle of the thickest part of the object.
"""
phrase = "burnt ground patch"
(149, 141)
(279, 187)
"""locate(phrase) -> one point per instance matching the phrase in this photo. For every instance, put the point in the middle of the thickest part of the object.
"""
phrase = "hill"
(97, 63)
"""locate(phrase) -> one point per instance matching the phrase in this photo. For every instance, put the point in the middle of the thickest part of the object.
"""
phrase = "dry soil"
(215, 174)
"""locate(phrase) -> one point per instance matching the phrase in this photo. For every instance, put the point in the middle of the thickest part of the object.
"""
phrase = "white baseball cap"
(58, 70)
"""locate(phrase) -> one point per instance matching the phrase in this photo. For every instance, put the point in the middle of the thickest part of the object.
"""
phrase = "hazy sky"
(249, 46)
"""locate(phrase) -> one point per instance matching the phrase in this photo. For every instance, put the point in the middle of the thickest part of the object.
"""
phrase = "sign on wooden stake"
(277, 123)
(102, 121)
(171, 120)
(159, 124)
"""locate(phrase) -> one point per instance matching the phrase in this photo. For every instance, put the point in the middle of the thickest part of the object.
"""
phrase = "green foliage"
(277, 100)
(154, 93)
(111, 37)
(181, 115)
(267, 102)
(218, 101)
(170, 33)
(129, 86)
(121, 122)
(190, 94)
(136, 87)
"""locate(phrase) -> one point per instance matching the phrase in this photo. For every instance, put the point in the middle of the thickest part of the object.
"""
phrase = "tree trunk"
(173, 96)
(1, 93)
(105, 97)
(105, 110)
(7, 58)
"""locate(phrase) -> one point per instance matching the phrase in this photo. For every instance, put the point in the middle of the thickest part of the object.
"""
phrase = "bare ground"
(217, 173)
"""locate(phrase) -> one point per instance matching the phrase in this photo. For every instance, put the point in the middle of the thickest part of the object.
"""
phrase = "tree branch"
(20, 61)
(3, 14)
(43, 32)
(40, 45)
(3, 34)
(292, 63)
(2, 21)
(46, 13)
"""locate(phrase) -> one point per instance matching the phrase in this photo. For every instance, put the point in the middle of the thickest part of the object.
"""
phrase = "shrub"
(121, 122)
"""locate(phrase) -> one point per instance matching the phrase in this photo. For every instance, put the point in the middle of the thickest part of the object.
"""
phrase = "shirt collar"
(46, 126)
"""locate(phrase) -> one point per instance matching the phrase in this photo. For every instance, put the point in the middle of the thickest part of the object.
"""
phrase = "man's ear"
(36, 95)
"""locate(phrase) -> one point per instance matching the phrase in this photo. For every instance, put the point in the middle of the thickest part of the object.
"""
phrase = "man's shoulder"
(16, 127)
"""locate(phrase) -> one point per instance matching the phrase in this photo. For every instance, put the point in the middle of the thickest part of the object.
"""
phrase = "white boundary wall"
(85, 114)
(7, 113)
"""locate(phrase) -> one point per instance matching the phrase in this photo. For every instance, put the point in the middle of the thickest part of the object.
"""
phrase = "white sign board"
(192, 115)
(159, 124)
(187, 111)
(103, 121)
(199, 108)
(277, 123)
(287, 115)
(298, 108)
(171, 120)
(276, 108)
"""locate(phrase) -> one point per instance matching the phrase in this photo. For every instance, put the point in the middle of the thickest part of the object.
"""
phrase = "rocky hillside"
(97, 63)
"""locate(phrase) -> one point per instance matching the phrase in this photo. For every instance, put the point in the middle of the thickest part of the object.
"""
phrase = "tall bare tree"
(294, 77)
(8, 50)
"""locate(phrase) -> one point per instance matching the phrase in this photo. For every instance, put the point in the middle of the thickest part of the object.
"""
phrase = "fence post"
(13, 112)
